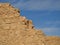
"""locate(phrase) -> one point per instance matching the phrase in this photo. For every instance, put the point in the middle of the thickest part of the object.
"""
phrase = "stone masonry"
(17, 30)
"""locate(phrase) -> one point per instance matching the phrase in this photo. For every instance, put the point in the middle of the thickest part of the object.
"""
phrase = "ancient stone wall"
(17, 30)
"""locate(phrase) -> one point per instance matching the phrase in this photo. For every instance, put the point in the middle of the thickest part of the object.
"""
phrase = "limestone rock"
(52, 40)
(17, 30)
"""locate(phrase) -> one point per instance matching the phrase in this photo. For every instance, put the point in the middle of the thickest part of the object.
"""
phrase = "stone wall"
(17, 30)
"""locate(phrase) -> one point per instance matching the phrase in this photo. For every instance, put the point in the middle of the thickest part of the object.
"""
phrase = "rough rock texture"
(17, 30)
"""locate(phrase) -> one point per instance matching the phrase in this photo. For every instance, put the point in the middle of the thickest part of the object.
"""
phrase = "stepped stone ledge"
(17, 30)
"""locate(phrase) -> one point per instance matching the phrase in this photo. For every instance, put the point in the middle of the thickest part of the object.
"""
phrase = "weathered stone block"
(17, 30)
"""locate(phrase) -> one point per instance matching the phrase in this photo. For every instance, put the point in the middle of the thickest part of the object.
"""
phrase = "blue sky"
(45, 14)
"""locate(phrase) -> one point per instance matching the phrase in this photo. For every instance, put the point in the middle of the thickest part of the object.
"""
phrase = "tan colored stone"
(17, 30)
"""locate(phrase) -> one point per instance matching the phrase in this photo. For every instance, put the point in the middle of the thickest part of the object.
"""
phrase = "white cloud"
(52, 29)
(38, 4)
(53, 23)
